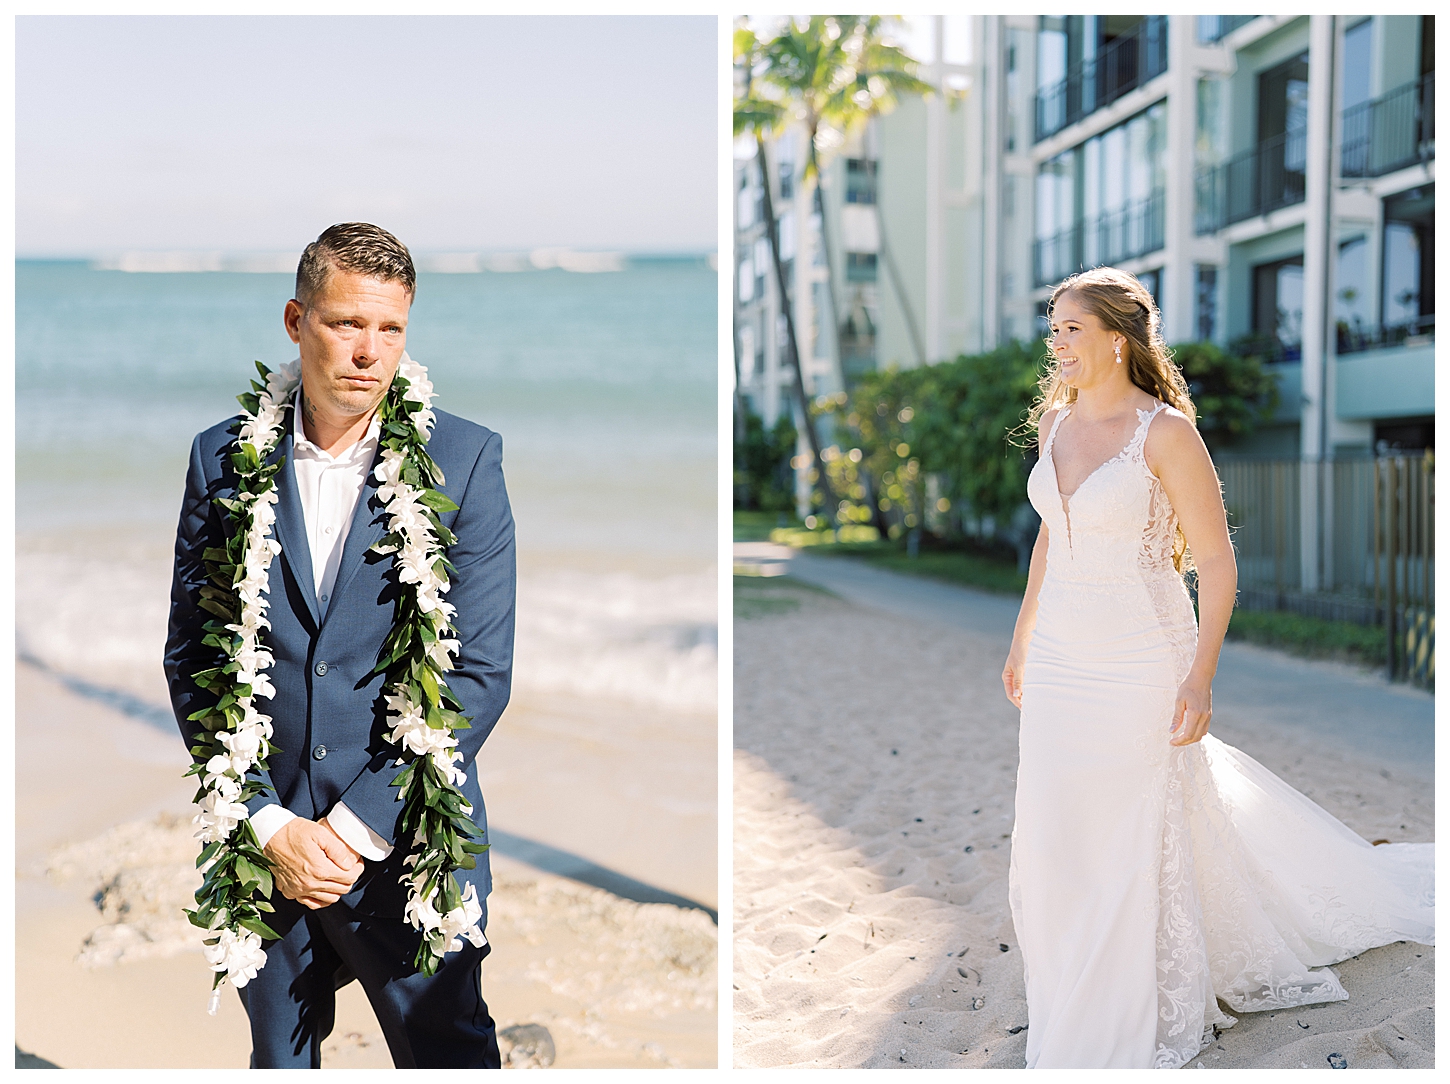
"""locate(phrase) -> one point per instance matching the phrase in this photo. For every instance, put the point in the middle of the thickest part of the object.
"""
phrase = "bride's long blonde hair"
(1122, 304)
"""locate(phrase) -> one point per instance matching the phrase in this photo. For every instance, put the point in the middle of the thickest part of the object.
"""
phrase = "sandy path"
(108, 974)
(873, 793)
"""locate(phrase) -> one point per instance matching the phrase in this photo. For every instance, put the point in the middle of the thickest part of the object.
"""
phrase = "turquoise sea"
(603, 386)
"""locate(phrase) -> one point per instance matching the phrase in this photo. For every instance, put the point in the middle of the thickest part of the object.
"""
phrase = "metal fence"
(1260, 180)
(1376, 551)
(1393, 131)
(1134, 230)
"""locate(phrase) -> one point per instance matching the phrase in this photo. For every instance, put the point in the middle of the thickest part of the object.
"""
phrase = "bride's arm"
(1026, 621)
(1176, 454)
(1027, 615)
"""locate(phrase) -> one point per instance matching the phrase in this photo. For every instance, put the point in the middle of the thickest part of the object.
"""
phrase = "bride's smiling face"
(1082, 346)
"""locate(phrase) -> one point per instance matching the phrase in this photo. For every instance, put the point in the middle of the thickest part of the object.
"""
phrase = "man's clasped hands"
(311, 864)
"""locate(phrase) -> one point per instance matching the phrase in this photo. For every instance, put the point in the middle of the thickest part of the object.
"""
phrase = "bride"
(1155, 870)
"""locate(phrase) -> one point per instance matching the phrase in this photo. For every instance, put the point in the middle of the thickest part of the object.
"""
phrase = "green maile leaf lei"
(235, 737)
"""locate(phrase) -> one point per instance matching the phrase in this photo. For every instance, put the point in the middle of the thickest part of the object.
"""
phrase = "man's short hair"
(359, 247)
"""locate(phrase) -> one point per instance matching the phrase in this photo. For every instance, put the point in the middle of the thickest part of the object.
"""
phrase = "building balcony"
(1387, 381)
(1250, 184)
(1212, 28)
(1360, 338)
(1124, 64)
(1135, 230)
(1391, 132)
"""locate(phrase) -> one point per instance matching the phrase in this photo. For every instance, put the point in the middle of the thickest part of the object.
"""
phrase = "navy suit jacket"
(327, 695)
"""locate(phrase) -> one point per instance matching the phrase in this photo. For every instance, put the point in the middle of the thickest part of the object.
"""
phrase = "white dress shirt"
(330, 487)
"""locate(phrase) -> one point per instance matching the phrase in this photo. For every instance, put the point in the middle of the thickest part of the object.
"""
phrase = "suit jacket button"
(319, 752)
(321, 669)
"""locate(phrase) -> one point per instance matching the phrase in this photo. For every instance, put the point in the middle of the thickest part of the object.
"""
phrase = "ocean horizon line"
(540, 258)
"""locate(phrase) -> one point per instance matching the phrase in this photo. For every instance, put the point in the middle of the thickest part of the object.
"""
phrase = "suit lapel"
(368, 521)
(291, 528)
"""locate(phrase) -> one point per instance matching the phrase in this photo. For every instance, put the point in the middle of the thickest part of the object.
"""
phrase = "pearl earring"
(1118, 352)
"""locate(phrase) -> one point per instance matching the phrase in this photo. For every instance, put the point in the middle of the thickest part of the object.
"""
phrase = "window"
(1284, 98)
(860, 180)
(1153, 282)
(1357, 60)
(1279, 307)
(747, 279)
(1085, 62)
(1408, 282)
(1353, 299)
(1102, 201)
(860, 267)
(1206, 302)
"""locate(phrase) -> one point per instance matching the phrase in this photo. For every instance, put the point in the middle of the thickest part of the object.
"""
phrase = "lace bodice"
(1118, 524)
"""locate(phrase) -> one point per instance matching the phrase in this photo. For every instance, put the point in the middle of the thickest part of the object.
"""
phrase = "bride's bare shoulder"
(1173, 440)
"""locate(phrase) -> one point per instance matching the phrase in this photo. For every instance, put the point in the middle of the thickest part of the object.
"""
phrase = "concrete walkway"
(1343, 705)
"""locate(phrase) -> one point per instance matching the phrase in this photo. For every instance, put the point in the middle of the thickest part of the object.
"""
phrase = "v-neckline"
(1066, 498)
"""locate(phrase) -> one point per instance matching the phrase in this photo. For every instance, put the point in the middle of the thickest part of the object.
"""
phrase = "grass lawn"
(761, 596)
(756, 526)
(952, 566)
(1311, 637)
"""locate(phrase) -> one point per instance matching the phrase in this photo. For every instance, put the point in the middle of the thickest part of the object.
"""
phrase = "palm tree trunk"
(828, 500)
(742, 489)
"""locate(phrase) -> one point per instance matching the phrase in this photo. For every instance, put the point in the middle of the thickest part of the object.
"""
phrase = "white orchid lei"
(235, 737)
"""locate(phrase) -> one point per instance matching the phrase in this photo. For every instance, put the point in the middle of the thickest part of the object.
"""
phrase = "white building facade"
(1270, 178)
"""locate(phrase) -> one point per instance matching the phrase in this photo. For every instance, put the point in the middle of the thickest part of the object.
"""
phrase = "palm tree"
(761, 116)
(835, 73)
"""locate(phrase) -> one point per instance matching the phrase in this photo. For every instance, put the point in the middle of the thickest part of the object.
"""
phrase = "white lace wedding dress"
(1149, 882)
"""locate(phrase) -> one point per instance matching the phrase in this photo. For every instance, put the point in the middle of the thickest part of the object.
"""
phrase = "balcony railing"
(1357, 339)
(1255, 182)
(1213, 28)
(1391, 132)
(1136, 230)
(1124, 64)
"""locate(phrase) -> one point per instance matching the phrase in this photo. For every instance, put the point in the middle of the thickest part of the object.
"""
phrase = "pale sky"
(246, 134)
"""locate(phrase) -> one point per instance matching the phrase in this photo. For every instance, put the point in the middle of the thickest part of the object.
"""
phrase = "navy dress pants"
(430, 1022)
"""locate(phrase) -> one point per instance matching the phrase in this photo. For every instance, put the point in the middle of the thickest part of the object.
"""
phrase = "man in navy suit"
(329, 823)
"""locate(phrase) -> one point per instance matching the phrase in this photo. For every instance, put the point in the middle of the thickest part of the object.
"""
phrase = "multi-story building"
(1271, 178)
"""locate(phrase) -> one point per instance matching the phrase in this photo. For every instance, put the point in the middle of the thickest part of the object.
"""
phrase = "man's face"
(351, 337)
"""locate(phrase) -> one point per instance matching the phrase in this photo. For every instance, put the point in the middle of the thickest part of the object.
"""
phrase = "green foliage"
(763, 478)
(1231, 391)
(1313, 637)
(835, 71)
(953, 420)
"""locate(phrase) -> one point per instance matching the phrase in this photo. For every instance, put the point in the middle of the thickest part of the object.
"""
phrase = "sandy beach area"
(874, 774)
(109, 974)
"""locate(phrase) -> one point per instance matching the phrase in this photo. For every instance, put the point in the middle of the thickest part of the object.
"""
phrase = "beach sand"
(874, 775)
(109, 974)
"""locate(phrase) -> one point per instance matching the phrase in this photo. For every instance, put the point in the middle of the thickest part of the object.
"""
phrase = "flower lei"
(235, 737)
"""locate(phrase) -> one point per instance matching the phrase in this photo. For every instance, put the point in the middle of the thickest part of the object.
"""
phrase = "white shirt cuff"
(358, 835)
(268, 820)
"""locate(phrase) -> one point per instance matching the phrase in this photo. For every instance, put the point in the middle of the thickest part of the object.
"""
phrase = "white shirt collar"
(367, 445)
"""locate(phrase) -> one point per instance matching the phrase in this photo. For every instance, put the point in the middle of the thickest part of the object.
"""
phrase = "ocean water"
(602, 385)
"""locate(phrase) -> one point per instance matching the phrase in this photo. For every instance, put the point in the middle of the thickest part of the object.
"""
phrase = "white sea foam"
(619, 636)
